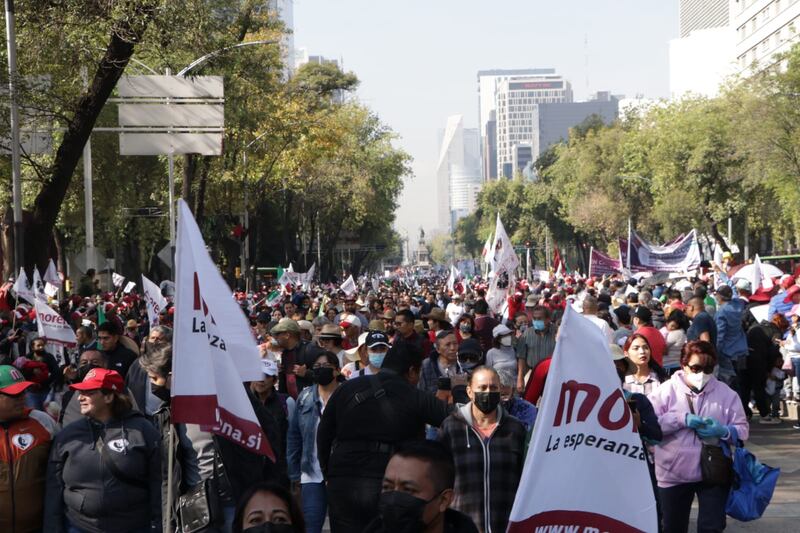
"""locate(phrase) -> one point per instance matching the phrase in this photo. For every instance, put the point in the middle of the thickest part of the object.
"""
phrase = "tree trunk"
(200, 206)
(189, 171)
(47, 204)
(718, 235)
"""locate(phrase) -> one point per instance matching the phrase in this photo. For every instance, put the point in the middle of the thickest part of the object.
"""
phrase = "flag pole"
(591, 253)
(170, 464)
(630, 235)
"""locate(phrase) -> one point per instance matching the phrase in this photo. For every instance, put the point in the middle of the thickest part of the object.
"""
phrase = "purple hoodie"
(677, 456)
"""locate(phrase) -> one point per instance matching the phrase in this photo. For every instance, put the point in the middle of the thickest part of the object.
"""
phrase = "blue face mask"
(538, 325)
(376, 358)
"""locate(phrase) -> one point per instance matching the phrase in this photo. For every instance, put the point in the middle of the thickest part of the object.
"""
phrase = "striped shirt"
(535, 347)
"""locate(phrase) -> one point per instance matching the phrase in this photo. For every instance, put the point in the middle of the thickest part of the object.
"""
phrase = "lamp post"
(16, 183)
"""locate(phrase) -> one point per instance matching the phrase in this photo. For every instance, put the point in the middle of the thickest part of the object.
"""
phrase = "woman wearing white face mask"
(502, 355)
(693, 409)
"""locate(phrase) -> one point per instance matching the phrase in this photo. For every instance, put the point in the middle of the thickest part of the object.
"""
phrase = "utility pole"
(16, 182)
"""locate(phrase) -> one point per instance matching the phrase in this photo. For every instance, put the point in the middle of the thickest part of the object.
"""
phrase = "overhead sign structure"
(171, 115)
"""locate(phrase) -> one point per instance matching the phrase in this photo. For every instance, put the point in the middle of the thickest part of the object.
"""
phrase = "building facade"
(517, 97)
(762, 29)
(552, 122)
(488, 81)
(458, 173)
(702, 14)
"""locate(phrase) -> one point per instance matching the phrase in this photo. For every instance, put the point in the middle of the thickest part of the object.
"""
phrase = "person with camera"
(695, 411)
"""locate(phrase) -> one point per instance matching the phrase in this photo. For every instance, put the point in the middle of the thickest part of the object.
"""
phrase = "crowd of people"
(401, 406)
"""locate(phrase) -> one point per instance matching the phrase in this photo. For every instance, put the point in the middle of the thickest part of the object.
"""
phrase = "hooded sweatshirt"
(82, 488)
(677, 456)
(487, 470)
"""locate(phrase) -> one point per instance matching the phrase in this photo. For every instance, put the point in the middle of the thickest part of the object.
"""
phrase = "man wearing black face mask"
(70, 408)
(417, 491)
(484, 438)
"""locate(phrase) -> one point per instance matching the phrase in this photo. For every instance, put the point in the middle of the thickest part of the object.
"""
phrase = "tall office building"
(552, 122)
(458, 173)
(284, 10)
(488, 80)
(763, 28)
(701, 15)
(517, 98)
(701, 58)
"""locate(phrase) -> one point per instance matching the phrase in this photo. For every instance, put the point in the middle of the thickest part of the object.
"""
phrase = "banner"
(214, 351)
(585, 437)
(52, 326)
(600, 264)
(22, 288)
(117, 279)
(678, 256)
(154, 300)
(505, 263)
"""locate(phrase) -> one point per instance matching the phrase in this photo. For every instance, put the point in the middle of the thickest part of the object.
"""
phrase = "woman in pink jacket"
(715, 408)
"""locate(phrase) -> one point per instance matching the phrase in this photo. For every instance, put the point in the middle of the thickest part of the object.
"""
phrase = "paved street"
(776, 446)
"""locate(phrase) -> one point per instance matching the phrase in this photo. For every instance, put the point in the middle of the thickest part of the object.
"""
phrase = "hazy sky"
(417, 60)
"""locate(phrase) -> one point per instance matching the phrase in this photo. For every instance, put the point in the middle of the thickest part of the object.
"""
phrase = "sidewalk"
(777, 446)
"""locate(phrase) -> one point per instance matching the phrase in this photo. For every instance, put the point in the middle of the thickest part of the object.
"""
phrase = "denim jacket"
(303, 422)
(731, 339)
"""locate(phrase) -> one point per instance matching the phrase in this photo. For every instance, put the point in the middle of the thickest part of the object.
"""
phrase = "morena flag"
(586, 469)
(214, 351)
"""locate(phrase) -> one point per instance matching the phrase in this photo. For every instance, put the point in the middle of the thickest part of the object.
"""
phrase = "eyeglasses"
(323, 365)
(705, 369)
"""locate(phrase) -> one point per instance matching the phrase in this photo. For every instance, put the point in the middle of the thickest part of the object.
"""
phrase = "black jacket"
(454, 522)
(138, 382)
(82, 488)
(120, 359)
(357, 438)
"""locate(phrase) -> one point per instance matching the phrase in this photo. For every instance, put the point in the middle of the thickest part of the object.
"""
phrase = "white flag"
(759, 279)
(117, 279)
(38, 285)
(349, 286)
(451, 281)
(51, 275)
(21, 287)
(584, 436)
(504, 265)
(487, 254)
(154, 300)
(214, 350)
(129, 287)
(52, 326)
(308, 277)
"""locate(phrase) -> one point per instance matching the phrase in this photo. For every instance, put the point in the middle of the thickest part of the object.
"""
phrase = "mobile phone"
(444, 383)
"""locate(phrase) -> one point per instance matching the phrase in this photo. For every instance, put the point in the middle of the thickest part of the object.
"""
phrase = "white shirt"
(453, 312)
(604, 327)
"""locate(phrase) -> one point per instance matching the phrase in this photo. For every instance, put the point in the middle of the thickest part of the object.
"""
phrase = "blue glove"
(712, 429)
(693, 421)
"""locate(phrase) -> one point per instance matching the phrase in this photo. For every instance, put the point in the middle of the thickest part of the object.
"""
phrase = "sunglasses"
(705, 369)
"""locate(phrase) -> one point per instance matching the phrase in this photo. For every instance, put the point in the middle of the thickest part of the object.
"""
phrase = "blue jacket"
(776, 305)
(731, 338)
(300, 445)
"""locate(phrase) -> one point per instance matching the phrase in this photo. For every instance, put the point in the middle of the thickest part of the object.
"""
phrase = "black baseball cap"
(376, 338)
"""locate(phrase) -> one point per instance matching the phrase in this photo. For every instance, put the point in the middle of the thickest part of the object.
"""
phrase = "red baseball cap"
(101, 378)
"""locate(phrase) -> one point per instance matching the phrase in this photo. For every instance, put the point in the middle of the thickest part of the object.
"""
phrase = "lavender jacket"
(677, 456)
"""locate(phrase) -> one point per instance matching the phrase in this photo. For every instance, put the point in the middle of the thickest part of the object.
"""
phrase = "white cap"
(352, 353)
(500, 330)
(269, 367)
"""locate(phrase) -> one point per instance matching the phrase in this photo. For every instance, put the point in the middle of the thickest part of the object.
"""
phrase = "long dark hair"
(651, 363)
(296, 515)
